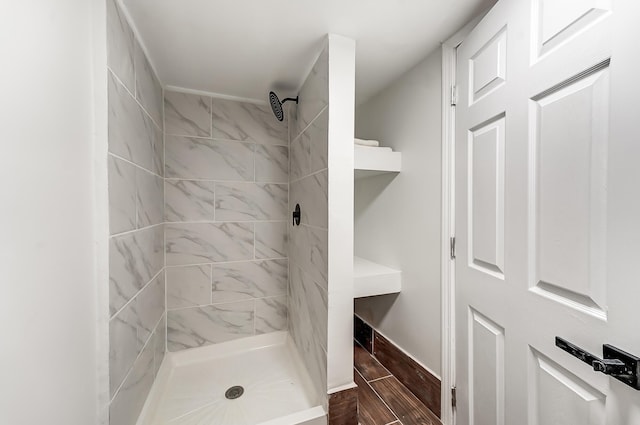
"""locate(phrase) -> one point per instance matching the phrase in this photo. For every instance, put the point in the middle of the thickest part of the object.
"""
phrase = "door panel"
(488, 67)
(555, 22)
(560, 397)
(486, 369)
(568, 165)
(486, 191)
(545, 210)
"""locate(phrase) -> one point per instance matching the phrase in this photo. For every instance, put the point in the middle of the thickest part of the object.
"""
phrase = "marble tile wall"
(226, 211)
(137, 328)
(308, 243)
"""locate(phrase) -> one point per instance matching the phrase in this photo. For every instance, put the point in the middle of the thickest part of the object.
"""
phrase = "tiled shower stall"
(200, 194)
(200, 217)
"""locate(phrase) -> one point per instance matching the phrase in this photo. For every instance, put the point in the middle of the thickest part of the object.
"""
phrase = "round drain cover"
(234, 392)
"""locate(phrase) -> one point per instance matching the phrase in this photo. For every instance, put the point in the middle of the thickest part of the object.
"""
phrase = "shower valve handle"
(296, 215)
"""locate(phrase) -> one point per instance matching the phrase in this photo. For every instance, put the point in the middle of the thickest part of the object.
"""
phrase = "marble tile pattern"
(205, 159)
(314, 95)
(122, 195)
(148, 88)
(132, 133)
(249, 279)
(272, 164)
(271, 314)
(308, 250)
(198, 243)
(127, 403)
(134, 259)
(189, 200)
(226, 214)
(251, 201)
(271, 239)
(137, 328)
(187, 114)
(309, 151)
(199, 326)
(120, 45)
(308, 243)
(312, 194)
(247, 122)
(307, 298)
(133, 328)
(149, 198)
(188, 286)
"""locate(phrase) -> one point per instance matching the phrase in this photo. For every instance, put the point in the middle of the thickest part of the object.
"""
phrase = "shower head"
(276, 105)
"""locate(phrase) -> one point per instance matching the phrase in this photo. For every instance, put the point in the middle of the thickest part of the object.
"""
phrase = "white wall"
(397, 219)
(48, 361)
(342, 73)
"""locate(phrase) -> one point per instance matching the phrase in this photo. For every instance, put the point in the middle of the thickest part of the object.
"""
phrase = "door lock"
(618, 364)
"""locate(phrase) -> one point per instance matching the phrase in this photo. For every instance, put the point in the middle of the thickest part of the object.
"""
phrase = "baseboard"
(422, 383)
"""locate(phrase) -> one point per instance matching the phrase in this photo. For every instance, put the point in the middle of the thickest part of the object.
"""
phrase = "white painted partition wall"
(342, 74)
(53, 256)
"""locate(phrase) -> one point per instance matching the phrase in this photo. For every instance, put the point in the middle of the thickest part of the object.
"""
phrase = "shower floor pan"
(195, 386)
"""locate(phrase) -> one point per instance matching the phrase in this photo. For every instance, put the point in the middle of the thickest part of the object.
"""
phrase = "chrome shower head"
(276, 104)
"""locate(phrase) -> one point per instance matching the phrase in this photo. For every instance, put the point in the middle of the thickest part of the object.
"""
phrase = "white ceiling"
(244, 48)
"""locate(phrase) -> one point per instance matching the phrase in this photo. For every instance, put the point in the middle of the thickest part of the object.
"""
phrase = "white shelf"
(373, 161)
(371, 279)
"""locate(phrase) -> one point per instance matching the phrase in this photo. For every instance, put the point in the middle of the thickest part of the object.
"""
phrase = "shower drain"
(234, 392)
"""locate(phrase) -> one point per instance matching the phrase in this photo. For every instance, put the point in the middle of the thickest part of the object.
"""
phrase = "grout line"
(378, 395)
(374, 359)
(381, 378)
(164, 228)
(221, 139)
(135, 230)
(177, 179)
(133, 96)
(287, 231)
(310, 123)
(136, 294)
(214, 263)
(133, 163)
(136, 219)
(315, 173)
(311, 226)
(227, 302)
(130, 371)
(227, 222)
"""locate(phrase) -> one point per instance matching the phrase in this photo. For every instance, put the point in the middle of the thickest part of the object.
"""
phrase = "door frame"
(447, 273)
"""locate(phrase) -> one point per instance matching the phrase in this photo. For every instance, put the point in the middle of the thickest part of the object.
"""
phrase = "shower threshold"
(258, 380)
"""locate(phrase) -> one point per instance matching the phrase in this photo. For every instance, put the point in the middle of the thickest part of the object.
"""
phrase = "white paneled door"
(547, 211)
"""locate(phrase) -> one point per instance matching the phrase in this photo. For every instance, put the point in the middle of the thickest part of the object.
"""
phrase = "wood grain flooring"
(343, 407)
(368, 367)
(371, 408)
(382, 399)
(423, 384)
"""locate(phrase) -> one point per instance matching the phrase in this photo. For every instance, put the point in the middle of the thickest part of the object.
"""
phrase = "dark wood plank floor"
(382, 399)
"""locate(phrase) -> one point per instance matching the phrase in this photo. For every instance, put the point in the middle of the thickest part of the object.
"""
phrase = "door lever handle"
(609, 367)
(618, 364)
